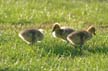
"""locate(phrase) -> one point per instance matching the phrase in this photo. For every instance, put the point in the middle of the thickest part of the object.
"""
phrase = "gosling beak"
(94, 33)
(53, 30)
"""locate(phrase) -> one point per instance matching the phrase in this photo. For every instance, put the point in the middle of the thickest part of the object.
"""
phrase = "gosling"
(31, 36)
(61, 32)
(78, 38)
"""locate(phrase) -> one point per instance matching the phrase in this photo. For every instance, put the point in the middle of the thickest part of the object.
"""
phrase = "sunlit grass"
(52, 54)
(49, 11)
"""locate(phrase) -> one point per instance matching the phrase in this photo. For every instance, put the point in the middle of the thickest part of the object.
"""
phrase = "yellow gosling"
(31, 36)
(78, 38)
(61, 32)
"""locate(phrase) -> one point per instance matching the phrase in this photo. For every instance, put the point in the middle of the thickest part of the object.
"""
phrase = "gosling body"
(31, 36)
(78, 38)
(61, 32)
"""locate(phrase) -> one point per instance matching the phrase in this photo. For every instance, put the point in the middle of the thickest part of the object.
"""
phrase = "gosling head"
(56, 27)
(92, 30)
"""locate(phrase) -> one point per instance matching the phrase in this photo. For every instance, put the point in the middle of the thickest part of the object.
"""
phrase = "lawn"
(53, 54)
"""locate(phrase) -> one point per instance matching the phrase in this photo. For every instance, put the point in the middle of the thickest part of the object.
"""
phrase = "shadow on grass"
(97, 49)
(11, 69)
(60, 49)
(67, 50)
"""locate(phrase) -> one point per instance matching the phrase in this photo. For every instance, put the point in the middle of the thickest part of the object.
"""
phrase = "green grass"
(52, 54)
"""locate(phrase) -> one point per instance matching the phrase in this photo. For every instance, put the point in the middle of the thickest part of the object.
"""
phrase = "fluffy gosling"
(31, 36)
(78, 38)
(61, 32)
